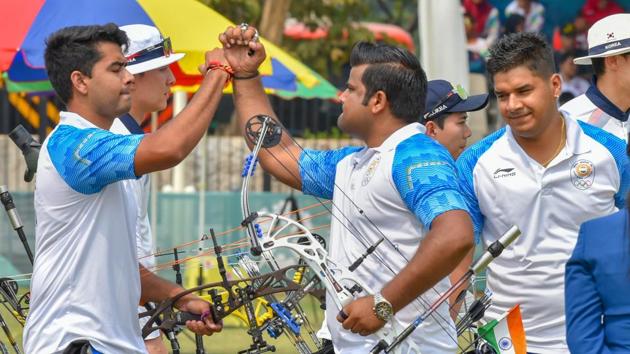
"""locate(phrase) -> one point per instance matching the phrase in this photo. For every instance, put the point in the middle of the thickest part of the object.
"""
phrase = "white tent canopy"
(443, 41)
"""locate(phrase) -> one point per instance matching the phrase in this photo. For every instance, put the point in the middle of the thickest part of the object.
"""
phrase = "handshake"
(241, 55)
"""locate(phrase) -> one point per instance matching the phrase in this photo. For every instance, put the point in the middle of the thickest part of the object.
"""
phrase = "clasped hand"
(242, 49)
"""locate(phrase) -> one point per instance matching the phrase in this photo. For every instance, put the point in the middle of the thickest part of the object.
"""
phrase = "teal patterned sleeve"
(90, 159)
(318, 170)
(424, 174)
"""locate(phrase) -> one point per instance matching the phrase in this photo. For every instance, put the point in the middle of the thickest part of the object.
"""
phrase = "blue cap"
(443, 98)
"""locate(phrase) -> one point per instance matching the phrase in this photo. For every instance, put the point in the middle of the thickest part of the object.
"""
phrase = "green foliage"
(403, 13)
(237, 11)
(340, 17)
(230, 340)
(326, 56)
(333, 133)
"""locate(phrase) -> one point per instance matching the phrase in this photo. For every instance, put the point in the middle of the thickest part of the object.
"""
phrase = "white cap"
(142, 37)
(607, 37)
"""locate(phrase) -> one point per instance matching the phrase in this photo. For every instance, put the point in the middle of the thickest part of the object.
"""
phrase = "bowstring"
(167, 251)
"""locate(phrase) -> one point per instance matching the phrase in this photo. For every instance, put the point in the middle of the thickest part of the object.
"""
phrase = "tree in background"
(328, 56)
(237, 11)
(403, 13)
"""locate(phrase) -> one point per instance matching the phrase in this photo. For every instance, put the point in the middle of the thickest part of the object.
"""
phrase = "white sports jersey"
(504, 186)
(140, 189)
(85, 283)
(595, 109)
(401, 186)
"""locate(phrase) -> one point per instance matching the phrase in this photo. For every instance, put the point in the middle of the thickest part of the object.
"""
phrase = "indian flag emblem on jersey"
(506, 334)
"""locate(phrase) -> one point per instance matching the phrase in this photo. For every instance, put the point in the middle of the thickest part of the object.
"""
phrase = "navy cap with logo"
(443, 98)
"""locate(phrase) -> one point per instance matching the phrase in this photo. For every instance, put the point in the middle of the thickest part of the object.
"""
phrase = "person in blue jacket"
(597, 287)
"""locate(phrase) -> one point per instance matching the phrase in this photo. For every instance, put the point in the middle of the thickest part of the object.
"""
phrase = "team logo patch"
(582, 174)
(370, 171)
(505, 343)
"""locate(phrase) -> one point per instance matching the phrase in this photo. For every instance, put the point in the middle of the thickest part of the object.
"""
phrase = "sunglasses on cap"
(163, 49)
(457, 92)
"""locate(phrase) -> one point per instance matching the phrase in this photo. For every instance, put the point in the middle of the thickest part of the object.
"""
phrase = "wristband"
(255, 74)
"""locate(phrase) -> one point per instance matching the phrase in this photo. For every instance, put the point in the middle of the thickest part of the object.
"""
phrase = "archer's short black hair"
(521, 49)
(397, 73)
(75, 49)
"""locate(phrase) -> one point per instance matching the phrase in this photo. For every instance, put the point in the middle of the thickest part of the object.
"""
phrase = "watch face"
(383, 310)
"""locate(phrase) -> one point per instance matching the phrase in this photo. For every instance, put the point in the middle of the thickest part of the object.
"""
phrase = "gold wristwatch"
(382, 308)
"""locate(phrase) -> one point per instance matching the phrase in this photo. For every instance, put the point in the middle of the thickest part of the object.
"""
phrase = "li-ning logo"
(504, 172)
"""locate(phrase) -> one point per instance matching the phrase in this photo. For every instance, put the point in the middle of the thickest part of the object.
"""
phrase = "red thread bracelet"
(217, 65)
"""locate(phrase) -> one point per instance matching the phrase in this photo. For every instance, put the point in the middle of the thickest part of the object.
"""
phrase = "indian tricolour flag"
(506, 334)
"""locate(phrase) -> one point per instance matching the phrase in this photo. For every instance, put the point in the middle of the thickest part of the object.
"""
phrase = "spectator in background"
(595, 10)
(564, 38)
(514, 24)
(476, 46)
(581, 30)
(533, 12)
(606, 104)
(581, 45)
(571, 82)
(486, 19)
(565, 41)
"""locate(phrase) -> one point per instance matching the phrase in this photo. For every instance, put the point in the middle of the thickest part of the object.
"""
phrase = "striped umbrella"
(192, 27)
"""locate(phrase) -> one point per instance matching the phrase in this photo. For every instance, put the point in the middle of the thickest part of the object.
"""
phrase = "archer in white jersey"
(402, 180)
(544, 173)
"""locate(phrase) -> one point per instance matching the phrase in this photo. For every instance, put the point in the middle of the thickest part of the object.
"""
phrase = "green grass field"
(231, 340)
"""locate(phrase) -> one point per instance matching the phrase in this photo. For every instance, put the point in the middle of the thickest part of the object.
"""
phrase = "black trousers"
(327, 347)
(79, 347)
